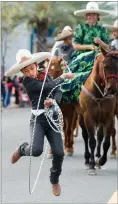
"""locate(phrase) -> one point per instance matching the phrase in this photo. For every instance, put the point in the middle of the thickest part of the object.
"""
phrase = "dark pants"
(55, 140)
(16, 97)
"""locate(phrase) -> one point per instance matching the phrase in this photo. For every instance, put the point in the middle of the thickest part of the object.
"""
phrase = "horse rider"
(114, 29)
(27, 63)
(63, 46)
(86, 41)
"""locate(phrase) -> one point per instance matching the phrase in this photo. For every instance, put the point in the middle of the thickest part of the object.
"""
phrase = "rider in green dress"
(87, 39)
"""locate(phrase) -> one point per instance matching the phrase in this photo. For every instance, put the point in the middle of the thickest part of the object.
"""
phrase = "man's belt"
(37, 112)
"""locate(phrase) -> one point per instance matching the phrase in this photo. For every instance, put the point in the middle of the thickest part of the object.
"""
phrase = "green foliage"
(12, 13)
(56, 12)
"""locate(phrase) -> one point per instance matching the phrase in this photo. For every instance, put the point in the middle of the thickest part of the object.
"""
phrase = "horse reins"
(110, 76)
(104, 80)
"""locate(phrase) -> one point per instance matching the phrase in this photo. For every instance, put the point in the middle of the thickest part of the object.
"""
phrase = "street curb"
(114, 198)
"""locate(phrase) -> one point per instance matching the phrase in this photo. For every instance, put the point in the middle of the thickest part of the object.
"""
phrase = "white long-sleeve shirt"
(114, 43)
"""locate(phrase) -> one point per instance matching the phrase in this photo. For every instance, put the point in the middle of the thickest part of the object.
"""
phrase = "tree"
(40, 15)
(12, 14)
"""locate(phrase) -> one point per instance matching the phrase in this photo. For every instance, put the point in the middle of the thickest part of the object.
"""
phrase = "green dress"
(82, 61)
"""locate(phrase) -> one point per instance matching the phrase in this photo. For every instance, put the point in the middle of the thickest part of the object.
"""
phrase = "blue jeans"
(6, 101)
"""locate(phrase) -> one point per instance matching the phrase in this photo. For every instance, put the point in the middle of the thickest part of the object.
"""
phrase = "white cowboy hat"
(91, 7)
(67, 28)
(25, 58)
(66, 32)
(112, 27)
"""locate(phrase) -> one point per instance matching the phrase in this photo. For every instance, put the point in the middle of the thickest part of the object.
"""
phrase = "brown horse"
(97, 110)
(70, 117)
(69, 111)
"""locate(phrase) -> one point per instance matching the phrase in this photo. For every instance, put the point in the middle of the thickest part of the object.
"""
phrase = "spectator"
(8, 84)
(114, 29)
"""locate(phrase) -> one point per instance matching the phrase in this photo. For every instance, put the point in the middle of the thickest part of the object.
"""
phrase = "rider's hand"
(92, 47)
(48, 102)
(97, 40)
(68, 75)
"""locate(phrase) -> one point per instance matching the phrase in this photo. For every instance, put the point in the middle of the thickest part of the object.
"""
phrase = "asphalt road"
(77, 185)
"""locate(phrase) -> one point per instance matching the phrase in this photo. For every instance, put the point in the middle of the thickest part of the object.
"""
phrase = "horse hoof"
(86, 167)
(98, 167)
(113, 155)
(92, 172)
(75, 135)
(49, 155)
(97, 164)
(69, 154)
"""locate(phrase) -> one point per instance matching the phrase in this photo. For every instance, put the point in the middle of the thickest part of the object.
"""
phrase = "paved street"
(77, 186)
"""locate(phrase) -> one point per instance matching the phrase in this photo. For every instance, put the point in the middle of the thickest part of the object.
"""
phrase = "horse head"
(57, 66)
(109, 71)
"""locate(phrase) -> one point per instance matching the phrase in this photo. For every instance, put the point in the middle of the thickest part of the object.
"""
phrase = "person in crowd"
(114, 29)
(63, 46)
(8, 85)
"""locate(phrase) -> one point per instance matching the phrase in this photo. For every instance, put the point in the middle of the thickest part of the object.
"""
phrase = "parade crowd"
(13, 93)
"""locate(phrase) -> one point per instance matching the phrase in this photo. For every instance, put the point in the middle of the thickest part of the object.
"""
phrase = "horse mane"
(109, 52)
(104, 53)
(96, 66)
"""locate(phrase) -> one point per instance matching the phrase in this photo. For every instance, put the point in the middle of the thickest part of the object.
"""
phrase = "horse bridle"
(105, 77)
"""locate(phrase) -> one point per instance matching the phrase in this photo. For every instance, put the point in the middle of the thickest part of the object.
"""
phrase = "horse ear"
(47, 60)
(105, 51)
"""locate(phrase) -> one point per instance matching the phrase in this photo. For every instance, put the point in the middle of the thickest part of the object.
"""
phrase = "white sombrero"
(91, 7)
(25, 58)
(66, 32)
(112, 27)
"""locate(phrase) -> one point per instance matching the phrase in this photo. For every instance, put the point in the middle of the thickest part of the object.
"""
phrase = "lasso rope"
(58, 123)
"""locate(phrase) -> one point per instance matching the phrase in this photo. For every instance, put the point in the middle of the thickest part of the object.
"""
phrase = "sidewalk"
(114, 198)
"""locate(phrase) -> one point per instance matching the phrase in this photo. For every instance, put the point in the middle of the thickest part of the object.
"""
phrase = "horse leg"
(70, 130)
(76, 131)
(71, 118)
(116, 112)
(64, 109)
(100, 137)
(106, 145)
(73, 126)
(85, 137)
(99, 141)
(68, 140)
(92, 143)
(114, 148)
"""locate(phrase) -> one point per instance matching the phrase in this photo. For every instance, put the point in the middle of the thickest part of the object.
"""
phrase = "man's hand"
(48, 102)
(68, 75)
(92, 47)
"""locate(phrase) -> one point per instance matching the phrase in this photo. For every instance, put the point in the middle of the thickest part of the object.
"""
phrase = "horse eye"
(105, 66)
